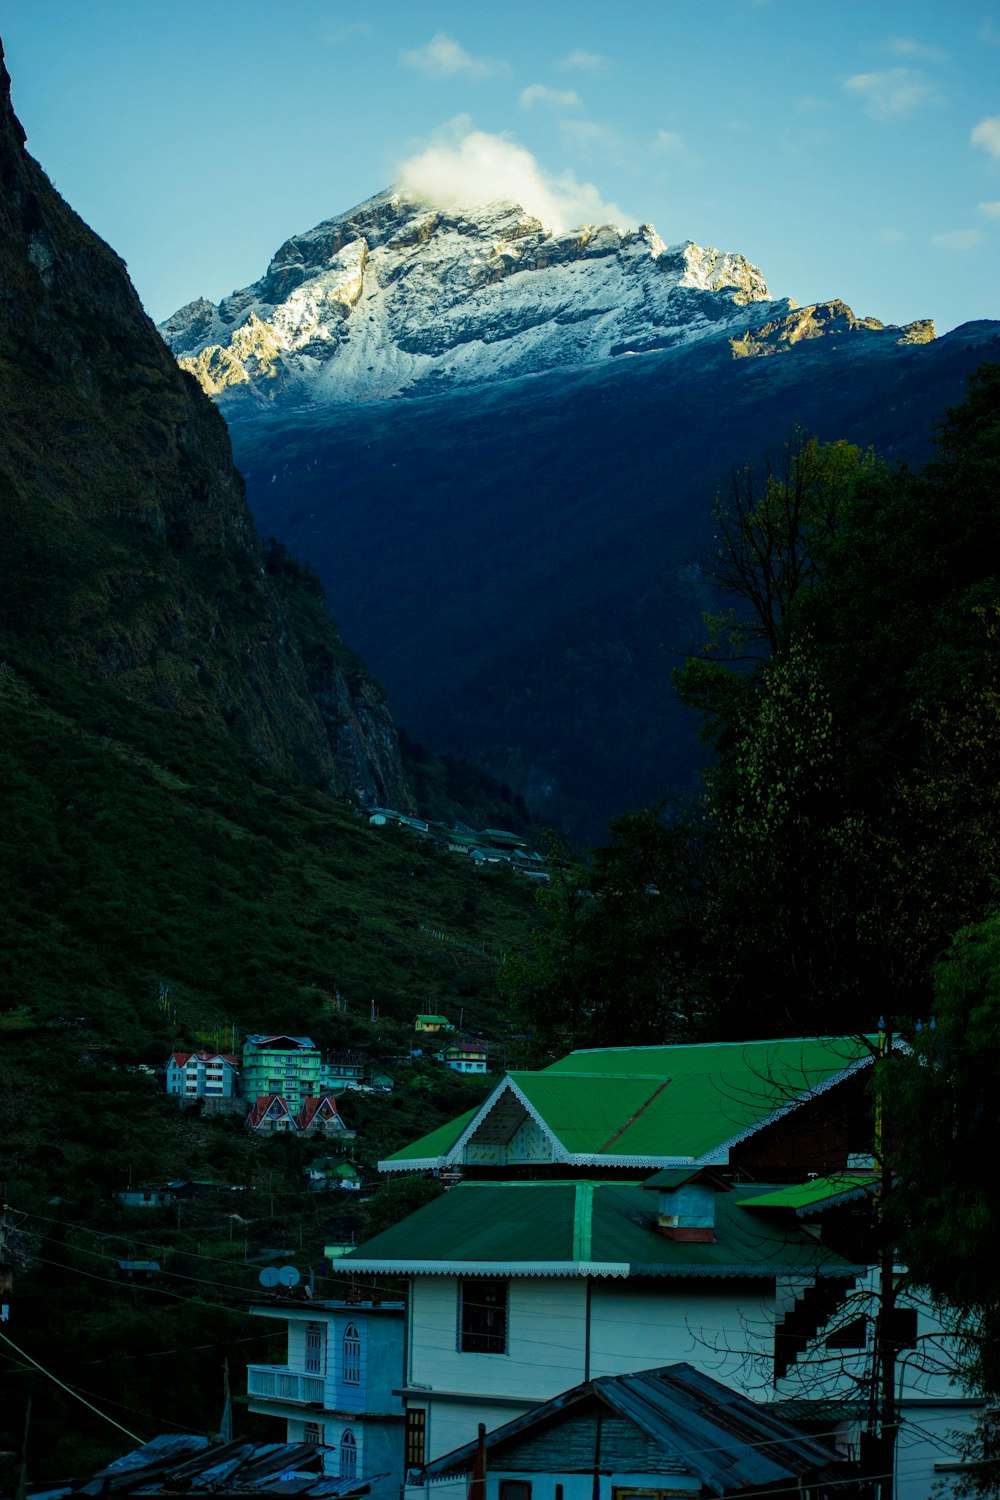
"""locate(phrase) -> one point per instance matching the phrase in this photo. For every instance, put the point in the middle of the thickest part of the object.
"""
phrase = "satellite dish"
(288, 1276)
(269, 1276)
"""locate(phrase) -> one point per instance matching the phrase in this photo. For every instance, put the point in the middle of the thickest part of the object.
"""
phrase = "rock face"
(396, 297)
(130, 553)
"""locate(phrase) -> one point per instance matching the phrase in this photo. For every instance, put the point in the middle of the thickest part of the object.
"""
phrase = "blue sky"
(850, 149)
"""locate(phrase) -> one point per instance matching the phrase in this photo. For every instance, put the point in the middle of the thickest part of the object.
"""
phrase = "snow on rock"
(400, 296)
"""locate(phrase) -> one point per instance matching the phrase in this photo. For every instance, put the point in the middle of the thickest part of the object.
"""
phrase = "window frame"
(473, 1309)
(351, 1355)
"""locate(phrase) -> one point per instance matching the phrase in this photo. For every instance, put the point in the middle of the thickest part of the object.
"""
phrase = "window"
(515, 1489)
(482, 1316)
(348, 1455)
(314, 1348)
(416, 1429)
(312, 1432)
(352, 1355)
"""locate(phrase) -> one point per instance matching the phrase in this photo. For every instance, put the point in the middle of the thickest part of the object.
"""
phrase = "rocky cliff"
(129, 550)
(398, 297)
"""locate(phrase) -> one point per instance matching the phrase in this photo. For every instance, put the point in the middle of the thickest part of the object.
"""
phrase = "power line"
(68, 1388)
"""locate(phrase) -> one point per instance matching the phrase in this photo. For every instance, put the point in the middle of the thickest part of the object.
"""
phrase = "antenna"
(269, 1276)
(288, 1276)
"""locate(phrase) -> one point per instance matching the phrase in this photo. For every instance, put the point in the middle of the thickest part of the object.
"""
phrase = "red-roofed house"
(270, 1113)
(319, 1116)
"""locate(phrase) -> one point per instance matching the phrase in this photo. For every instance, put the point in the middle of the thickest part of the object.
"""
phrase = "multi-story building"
(202, 1075)
(632, 1207)
(339, 1387)
(286, 1067)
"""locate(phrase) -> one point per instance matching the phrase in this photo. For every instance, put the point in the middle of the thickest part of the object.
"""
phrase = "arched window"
(352, 1355)
(348, 1455)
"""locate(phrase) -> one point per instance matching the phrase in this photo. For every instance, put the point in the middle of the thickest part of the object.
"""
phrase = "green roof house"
(631, 1207)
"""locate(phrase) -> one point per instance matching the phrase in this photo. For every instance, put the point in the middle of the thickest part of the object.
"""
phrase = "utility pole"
(883, 1403)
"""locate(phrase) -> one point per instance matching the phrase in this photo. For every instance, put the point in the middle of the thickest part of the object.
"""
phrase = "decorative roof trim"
(506, 1085)
(786, 1108)
(569, 1268)
(518, 1268)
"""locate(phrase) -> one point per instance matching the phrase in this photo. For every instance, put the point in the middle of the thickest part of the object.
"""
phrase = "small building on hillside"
(464, 1057)
(270, 1115)
(339, 1387)
(428, 1025)
(284, 1066)
(200, 1075)
(320, 1116)
(331, 1174)
(341, 1071)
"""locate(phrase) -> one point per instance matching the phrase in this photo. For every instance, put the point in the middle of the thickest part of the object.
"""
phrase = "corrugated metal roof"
(818, 1193)
(437, 1143)
(660, 1104)
(729, 1442)
(581, 1228)
(193, 1463)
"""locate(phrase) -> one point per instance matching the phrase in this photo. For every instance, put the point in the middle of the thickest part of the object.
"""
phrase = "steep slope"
(534, 520)
(129, 550)
(396, 297)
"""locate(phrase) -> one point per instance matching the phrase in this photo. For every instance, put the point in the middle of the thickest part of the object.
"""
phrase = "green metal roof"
(437, 1143)
(818, 1193)
(581, 1228)
(664, 1105)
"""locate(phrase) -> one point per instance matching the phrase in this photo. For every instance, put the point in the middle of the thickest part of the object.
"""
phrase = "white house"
(339, 1386)
(201, 1075)
(629, 1208)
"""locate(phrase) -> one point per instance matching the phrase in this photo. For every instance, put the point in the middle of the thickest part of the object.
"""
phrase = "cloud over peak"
(466, 168)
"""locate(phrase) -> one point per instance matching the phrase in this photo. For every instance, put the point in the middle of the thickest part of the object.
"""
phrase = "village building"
(287, 1067)
(201, 1075)
(672, 1433)
(464, 1057)
(628, 1208)
(428, 1025)
(339, 1387)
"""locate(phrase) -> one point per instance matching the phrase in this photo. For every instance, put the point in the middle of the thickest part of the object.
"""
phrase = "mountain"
(130, 554)
(512, 440)
(398, 298)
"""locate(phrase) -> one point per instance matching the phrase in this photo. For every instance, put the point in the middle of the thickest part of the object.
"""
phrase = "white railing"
(278, 1383)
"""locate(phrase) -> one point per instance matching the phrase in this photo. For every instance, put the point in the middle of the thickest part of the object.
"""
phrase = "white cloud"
(891, 236)
(958, 239)
(987, 135)
(894, 91)
(668, 142)
(540, 93)
(443, 57)
(905, 46)
(463, 168)
(587, 62)
(991, 210)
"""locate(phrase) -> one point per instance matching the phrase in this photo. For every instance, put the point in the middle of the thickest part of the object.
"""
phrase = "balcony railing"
(278, 1383)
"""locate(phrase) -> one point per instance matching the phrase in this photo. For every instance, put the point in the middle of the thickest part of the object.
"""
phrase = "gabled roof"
(651, 1106)
(262, 1040)
(264, 1107)
(729, 1442)
(323, 1105)
(586, 1228)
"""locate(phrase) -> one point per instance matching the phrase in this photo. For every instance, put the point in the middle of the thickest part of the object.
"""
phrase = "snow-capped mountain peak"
(401, 296)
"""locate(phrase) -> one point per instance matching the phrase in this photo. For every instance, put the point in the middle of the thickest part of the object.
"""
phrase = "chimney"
(687, 1213)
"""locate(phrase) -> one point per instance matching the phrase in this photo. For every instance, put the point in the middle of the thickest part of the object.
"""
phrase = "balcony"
(279, 1383)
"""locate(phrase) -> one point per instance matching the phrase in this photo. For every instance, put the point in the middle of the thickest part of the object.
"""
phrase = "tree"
(946, 1136)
